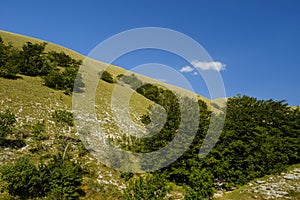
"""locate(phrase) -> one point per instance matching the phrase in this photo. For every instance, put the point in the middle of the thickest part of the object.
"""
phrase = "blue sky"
(257, 40)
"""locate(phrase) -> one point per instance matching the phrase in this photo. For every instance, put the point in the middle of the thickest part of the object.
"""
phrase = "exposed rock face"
(279, 186)
(283, 186)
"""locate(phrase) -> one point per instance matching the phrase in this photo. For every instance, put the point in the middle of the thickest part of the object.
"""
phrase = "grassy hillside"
(19, 40)
(32, 102)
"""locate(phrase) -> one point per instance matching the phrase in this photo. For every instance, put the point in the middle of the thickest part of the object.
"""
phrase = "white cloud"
(216, 66)
(186, 69)
(195, 73)
(162, 80)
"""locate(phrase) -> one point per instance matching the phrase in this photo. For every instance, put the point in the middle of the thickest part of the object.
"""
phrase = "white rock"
(260, 182)
(290, 176)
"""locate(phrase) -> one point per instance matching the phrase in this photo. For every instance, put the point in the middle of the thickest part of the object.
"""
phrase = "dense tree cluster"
(259, 137)
(58, 70)
(58, 179)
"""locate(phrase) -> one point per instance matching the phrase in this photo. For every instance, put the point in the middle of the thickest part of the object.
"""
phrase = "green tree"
(259, 137)
(8, 60)
(67, 80)
(72, 81)
(61, 59)
(31, 59)
(54, 80)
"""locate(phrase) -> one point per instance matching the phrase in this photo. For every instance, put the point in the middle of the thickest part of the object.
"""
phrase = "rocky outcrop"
(280, 186)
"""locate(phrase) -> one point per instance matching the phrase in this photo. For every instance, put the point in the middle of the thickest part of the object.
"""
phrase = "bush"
(147, 187)
(66, 80)
(131, 80)
(106, 76)
(59, 179)
(63, 178)
(7, 121)
(54, 80)
(23, 179)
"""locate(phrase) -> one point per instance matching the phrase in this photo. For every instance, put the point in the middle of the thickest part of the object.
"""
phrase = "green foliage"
(63, 178)
(61, 59)
(59, 179)
(200, 184)
(63, 117)
(54, 80)
(106, 76)
(147, 187)
(64, 80)
(126, 175)
(59, 70)
(182, 120)
(8, 61)
(149, 91)
(37, 130)
(72, 80)
(31, 59)
(23, 179)
(259, 137)
(7, 121)
(131, 80)
(169, 102)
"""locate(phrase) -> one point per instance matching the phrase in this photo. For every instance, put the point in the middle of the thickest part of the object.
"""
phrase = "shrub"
(7, 121)
(106, 76)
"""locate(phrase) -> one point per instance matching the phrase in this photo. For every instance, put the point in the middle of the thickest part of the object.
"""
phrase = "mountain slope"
(19, 40)
(32, 103)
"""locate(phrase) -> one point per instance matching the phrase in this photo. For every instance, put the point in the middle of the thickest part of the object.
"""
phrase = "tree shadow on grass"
(12, 77)
(12, 144)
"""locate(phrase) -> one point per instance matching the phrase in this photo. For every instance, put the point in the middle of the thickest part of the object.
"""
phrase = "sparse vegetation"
(59, 71)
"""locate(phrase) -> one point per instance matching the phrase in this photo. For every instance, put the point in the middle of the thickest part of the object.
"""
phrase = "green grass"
(19, 40)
